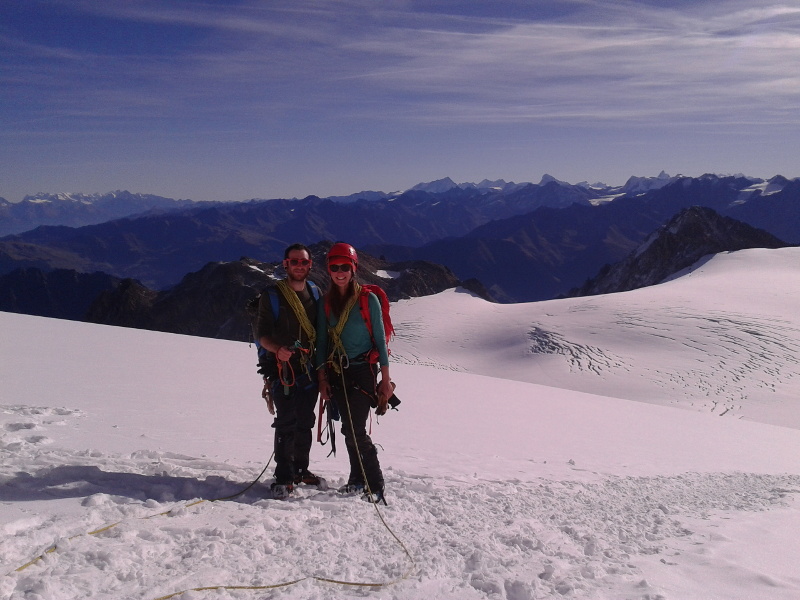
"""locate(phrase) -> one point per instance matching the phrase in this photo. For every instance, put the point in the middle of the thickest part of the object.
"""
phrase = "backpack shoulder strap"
(314, 288)
(274, 301)
(363, 304)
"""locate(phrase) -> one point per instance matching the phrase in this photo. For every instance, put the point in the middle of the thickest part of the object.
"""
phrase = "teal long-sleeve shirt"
(355, 335)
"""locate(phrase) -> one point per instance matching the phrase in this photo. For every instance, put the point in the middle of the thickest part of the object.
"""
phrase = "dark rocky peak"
(778, 180)
(210, 302)
(640, 185)
(435, 187)
(400, 280)
(690, 235)
(59, 294)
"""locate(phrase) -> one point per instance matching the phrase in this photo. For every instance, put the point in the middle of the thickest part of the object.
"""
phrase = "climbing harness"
(286, 375)
(326, 408)
(266, 394)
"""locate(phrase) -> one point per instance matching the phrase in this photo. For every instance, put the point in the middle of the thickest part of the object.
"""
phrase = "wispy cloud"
(654, 63)
(599, 60)
(320, 74)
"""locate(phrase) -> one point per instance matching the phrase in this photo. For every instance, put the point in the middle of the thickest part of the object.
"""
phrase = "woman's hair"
(337, 299)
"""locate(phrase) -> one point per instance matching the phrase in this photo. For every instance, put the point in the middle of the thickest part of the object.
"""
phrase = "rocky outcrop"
(689, 236)
(212, 302)
(59, 294)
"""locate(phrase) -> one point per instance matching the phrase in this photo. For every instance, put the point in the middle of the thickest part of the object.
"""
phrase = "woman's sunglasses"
(344, 268)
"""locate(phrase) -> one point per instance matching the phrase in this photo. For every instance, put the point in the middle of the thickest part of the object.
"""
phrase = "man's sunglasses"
(344, 268)
(303, 262)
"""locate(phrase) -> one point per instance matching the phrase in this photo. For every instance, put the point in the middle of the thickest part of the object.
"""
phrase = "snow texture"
(642, 445)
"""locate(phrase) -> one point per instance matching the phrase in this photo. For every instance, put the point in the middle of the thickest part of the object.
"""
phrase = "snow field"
(516, 539)
(517, 467)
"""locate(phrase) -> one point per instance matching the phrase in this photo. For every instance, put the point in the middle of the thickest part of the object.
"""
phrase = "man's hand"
(266, 393)
(324, 389)
(284, 353)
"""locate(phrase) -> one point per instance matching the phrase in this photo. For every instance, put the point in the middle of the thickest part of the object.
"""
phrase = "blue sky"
(231, 100)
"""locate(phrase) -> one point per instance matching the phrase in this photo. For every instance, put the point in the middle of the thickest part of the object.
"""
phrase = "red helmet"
(340, 250)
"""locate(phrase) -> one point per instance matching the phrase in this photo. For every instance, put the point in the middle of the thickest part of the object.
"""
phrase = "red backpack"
(388, 328)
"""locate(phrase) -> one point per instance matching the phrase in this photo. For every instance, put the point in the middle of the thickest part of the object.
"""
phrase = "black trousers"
(294, 425)
(355, 392)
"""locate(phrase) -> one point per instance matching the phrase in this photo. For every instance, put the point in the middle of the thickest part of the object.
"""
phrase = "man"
(289, 341)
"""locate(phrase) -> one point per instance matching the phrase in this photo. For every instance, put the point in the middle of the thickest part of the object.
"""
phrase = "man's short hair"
(296, 247)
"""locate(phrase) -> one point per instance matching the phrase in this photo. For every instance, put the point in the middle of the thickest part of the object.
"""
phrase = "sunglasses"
(303, 262)
(344, 268)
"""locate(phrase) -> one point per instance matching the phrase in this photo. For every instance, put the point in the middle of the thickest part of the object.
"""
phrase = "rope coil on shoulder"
(293, 300)
(335, 333)
(297, 307)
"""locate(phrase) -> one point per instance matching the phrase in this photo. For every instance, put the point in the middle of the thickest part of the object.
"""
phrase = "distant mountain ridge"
(158, 249)
(77, 210)
(545, 253)
(523, 241)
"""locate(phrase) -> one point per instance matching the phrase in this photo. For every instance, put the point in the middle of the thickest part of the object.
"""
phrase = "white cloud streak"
(707, 62)
(672, 66)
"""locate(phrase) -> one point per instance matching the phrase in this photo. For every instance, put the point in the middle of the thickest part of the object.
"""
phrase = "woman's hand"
(385, 391)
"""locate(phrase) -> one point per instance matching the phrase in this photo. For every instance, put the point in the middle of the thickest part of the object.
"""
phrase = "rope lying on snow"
(105, 528)
(53, 548)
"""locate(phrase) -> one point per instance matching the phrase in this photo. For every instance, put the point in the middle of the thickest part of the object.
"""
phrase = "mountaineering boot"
(376, 497)
(281, 491)
(352, 487)
(308, 478)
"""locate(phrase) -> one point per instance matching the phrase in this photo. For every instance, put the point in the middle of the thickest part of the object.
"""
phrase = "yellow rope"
(231, 587)
(305, 324)
(372, 499)
(299, 310)
(335, 332)
(53, 548)
(412, 563)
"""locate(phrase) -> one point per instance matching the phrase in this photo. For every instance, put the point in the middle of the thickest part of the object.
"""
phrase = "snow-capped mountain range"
(77, 210)
(521, 241)
(15, 215)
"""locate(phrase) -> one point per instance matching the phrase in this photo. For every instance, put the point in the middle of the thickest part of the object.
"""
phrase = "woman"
(346, 355)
